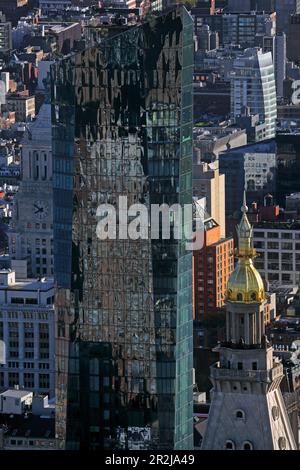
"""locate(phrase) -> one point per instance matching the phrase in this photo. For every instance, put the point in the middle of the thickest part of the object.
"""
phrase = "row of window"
(28, 379)
(284, 235)
(39, 226)
(26, 365)
(28, 315)
(29, 301)
(230, 445)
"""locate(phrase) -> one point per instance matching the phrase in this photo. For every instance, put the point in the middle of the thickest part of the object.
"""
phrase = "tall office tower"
(212, 266)
(122, 126)
(247, 410)
(253, 86)
(277, 46)
(209, 183)
(31, 232)
(285, 8)
(5, 34)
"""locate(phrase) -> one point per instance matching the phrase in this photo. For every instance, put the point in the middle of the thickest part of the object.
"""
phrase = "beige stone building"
(209, 183)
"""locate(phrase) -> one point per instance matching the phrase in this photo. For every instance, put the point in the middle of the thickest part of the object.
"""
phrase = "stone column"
(246, 328)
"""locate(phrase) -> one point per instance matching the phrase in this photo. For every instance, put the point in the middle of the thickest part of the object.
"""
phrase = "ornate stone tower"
(31, 230)
(247, 410)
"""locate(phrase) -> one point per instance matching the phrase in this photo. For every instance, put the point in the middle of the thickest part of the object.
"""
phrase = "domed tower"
(247, 409)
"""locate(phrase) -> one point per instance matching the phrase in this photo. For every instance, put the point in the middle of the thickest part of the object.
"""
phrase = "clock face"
(40, 210)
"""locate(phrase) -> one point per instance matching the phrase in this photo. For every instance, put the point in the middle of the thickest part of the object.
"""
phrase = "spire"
(245, 234)
(244, 207)
(245, 283)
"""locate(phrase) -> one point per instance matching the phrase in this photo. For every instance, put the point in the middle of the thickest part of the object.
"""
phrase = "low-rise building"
(27, 331)
(26, 421)
(24, 106)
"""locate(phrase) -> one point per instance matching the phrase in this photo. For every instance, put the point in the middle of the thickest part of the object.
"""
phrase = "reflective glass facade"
(122, 126)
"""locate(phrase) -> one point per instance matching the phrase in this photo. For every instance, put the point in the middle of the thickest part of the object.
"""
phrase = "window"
(31, 301)
(44, 381)
(44, 355)
(239, 414)
(17, 300)
(13, 379)
(273, 245)
(247, 445)
(258, 234)
(254, 365)
(287, 235)
(240, 366)
(286, 246)
(29, 380)
(282, 443)
(229, 445)
(239, 297)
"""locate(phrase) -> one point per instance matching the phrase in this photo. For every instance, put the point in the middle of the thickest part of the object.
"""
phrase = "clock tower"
(247, 409)
(31, 230)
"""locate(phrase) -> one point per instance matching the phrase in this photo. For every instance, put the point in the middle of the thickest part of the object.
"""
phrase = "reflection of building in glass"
(251, 167)
(122, 115)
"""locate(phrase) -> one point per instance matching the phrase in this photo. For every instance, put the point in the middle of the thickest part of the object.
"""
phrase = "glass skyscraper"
(122, 126)
(253, 88)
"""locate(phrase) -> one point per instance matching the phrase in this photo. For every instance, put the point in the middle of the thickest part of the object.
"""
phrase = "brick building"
(212, 266)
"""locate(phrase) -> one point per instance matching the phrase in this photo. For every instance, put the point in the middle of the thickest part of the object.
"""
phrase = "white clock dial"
(40, 210)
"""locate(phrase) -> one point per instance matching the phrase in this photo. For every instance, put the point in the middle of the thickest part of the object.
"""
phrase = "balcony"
(247, 375)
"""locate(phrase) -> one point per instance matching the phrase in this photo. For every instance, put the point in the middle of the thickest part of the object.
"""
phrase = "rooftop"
(278, 225)
(43, 284)
(294, 196)
(14, 393)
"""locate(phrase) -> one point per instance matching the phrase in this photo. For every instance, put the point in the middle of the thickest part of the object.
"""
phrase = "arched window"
(282, 443)
(239, 297)
(229, 445)
(253, 296)
(275, 412)
(247, 445)
(240, 414)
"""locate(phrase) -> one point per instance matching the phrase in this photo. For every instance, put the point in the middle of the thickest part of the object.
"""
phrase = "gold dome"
(245, 283)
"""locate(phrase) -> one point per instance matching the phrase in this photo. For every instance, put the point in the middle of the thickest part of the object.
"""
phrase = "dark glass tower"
(122, 126)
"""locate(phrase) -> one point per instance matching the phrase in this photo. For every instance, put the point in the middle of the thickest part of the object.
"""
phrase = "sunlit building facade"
(122, 126)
